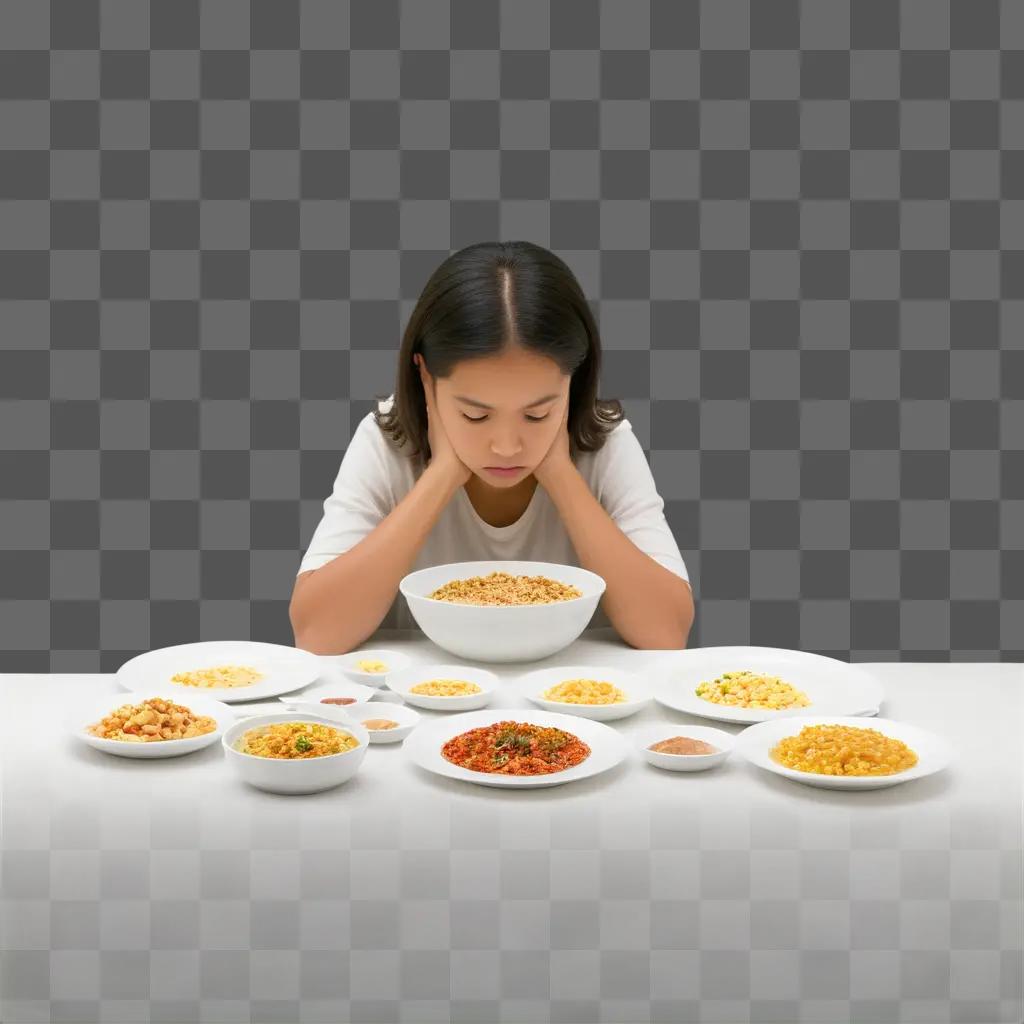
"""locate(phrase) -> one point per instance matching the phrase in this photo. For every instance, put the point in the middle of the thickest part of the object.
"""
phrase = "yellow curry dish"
(843, 750)
(295, 741)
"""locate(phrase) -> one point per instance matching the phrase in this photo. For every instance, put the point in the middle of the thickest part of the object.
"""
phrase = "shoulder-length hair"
(479, 300)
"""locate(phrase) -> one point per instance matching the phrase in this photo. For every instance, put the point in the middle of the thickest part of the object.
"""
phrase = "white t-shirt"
(375, 476)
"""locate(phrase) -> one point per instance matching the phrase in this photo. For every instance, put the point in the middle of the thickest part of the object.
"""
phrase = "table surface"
(168, 889)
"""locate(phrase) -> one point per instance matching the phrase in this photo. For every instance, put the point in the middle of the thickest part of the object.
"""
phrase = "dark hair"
(482, 298)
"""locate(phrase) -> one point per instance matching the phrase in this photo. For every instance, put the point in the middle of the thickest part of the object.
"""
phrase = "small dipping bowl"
(406, 718)
(345, 666)
(718, 738)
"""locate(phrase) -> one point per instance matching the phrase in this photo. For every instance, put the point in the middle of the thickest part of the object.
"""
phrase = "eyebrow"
(483, 405)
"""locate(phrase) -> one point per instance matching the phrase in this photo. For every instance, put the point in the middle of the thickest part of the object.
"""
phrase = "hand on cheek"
(558, 459)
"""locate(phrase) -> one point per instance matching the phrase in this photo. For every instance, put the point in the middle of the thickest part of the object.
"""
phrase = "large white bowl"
(499, 633)
(310, 775)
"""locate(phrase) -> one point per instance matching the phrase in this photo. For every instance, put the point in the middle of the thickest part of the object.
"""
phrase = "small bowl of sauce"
(385, 721)
(685, 748)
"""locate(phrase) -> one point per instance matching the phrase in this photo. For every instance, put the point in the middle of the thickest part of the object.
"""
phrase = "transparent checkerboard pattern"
(801, 228)
(472, 906)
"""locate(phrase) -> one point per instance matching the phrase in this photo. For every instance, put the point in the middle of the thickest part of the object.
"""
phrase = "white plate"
(638, 692)
(724, 741)
(834, 687)
(314, 694)
(402, 682)
(91, 713)
(607, 747)
(284, 669)
(345, 665)
(933, 752)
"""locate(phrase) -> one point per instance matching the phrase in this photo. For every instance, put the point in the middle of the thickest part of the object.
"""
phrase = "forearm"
(650, 606)
(336, 607)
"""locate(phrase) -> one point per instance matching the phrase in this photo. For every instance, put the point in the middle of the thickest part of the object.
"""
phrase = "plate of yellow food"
(746, 685)
(837, 752)
(598, 692)
(444, 687)
(148, 725)
(226, 670)
(516, 747)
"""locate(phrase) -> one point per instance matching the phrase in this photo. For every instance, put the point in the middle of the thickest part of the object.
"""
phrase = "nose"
(506, 443)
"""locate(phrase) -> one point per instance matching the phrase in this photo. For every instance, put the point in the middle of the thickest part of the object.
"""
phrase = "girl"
(493, 446)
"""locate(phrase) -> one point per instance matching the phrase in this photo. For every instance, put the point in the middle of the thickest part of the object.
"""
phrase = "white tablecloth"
(635, 895)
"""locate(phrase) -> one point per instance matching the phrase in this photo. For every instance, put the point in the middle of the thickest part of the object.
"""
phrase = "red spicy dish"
(516, 748)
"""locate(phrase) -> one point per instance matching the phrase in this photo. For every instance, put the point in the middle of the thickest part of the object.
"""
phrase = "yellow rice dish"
(445, 688)
(218, 677)
(745, 689)
(295, 741)
(843, 750)
(151, 721)
(502, 588)
(585, 691)
(371, 665)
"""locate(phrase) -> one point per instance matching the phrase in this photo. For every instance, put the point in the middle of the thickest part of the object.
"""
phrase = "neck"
(500, 506)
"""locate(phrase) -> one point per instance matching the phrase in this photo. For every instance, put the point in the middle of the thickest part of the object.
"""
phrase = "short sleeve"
(625, 486)
(361, 497)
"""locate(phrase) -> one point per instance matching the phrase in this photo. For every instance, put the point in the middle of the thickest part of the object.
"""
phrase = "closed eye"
(529, 419)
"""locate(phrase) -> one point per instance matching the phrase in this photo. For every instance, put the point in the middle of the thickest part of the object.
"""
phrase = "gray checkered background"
(801, 226)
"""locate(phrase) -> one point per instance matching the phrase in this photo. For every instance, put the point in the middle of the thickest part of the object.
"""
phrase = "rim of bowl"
(603, 585)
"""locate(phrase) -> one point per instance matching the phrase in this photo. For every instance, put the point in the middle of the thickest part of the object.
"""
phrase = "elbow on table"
(309, 637)
(672, 636)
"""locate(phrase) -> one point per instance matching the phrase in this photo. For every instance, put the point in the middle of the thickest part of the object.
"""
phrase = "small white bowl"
(636, 690)
(309, 775)
(406, 718)
(344, 666)
(402, 682)
(719, 738)
(315, 694)
(81, 718)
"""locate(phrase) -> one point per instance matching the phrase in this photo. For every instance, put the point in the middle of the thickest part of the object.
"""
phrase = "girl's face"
(502, 412)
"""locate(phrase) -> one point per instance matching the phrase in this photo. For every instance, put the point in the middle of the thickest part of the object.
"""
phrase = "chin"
(503, 482)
